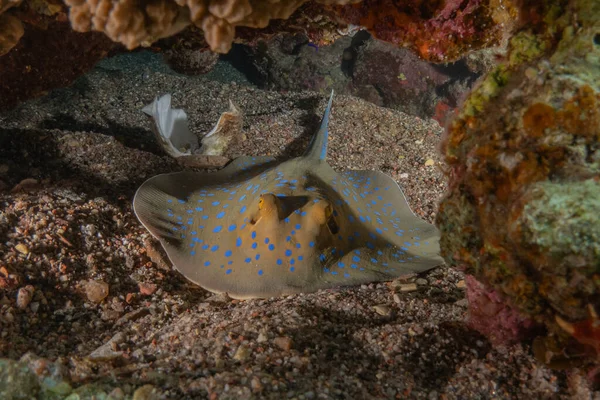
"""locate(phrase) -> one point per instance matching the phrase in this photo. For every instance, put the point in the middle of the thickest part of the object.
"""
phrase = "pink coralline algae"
(493, 317)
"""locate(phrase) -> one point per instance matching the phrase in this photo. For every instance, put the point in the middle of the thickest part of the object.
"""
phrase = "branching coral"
(522, 213)
(136, 23)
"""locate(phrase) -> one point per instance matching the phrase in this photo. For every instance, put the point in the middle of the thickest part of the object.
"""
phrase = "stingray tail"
(317, 149)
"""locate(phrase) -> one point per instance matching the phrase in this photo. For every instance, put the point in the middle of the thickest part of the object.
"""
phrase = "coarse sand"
(83, 284)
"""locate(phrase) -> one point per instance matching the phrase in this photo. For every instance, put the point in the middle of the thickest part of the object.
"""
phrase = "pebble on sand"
(96, 291)
(283, 342)
(24, 296)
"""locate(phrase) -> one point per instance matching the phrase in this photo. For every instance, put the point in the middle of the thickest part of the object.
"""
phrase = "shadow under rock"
(135, 138)
(336, 341)
(42, 154)
(456, 345)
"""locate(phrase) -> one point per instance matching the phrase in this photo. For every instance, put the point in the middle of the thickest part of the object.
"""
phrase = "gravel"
(84, 286)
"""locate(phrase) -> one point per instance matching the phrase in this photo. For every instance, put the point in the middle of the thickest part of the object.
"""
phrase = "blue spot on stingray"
(217, 229)
(169, 201)
(257, 257)
(181, 201)
(370, 245)
(298, 245)
(228, 271)
(357, 252)
(286, 219)
(205, 247)
(300, 258)
(322, 257)
(253, 235)
(260, 272)
(232, 227)
(355, 258)
(298, 226)
(287, 239)
(238, 242)
(254, 245)
(266, 240)
(248, 259)
(214, 248)
(205, 217)
(193, 252)
(334, 273)
(215, 203)
(341, 264)
(279, 262)
(312, 244)
(292, 269)
(292, 261)
(207, 263)
(407, 244)
(193, 232)
(228, 253)
(243, 209)
(378, 231)
(288, 253)
(271, 247)
(353, 266)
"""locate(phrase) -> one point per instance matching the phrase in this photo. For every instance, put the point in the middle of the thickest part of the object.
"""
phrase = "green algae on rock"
(522, 213)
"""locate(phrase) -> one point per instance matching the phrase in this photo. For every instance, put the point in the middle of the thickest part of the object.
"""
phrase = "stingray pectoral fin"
(152, 207)
(393, 241)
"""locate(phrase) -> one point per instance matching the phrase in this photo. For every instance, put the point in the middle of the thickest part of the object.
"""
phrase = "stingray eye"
(261, 203)
(331, 223)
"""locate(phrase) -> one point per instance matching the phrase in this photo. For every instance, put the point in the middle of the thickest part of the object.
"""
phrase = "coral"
(522, 213)
(11, 28)
(438, 31)
(490, 315)
(133, 23)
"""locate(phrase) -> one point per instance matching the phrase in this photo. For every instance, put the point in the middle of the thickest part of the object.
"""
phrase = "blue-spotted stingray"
(260, 228)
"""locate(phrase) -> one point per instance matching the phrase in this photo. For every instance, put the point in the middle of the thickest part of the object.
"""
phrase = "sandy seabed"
(70, 163)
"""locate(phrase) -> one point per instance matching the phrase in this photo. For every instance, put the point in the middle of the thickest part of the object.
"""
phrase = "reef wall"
(522, 213)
